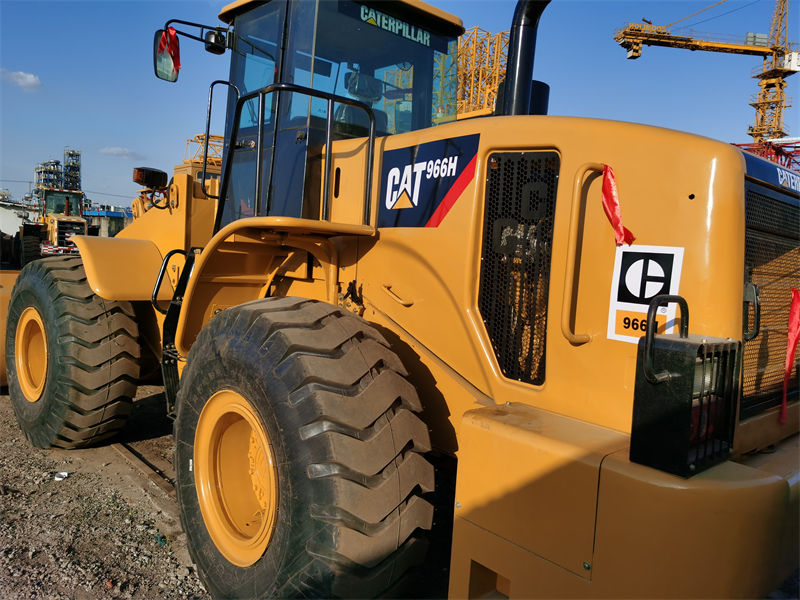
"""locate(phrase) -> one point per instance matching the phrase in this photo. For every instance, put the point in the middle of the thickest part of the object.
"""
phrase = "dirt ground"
(107, 531)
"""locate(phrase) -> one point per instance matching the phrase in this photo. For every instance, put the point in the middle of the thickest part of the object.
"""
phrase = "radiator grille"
(772, 263)
(66, 229)
(515, 265)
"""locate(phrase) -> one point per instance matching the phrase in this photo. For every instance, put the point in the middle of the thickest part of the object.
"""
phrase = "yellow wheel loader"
(59, 217)
(398, 344)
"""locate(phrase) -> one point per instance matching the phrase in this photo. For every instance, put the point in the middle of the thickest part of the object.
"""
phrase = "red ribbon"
(794, 335)
(611, 207)
(171, 44)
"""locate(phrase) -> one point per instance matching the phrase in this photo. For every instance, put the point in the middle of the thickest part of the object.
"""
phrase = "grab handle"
(572, 249)
(388, 289)
(160, 278)
(649, 369)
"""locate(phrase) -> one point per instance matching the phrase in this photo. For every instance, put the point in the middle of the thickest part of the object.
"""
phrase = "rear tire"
(71, 356)
(319, 394)
(30, 250)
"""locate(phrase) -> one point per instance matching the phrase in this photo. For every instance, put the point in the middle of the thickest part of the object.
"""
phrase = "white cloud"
(122, 153)
(27, 81)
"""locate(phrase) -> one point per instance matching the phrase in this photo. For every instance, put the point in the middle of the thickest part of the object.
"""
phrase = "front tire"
(71, 356)
(299, 456)
(30, 250)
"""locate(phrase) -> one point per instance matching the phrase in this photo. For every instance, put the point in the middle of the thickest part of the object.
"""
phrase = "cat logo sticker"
(640, 274)
(420, 184)
(403, 190)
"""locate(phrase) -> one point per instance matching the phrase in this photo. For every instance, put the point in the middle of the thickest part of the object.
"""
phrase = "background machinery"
(58, 214)
(780, 59)
(382, 328)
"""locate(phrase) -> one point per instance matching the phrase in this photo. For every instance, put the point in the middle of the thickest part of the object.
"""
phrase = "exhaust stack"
(522, 48)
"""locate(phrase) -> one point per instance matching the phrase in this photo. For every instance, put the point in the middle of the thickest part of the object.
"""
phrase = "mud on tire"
(87, 385)
(347, 449)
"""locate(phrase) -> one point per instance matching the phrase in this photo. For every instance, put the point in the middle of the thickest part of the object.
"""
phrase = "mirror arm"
(200, 25)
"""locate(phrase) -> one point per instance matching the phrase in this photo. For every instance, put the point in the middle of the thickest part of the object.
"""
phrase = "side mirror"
(166, 55)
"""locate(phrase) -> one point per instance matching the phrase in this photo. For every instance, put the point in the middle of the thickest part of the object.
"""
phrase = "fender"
(242, 260)
(122, 269)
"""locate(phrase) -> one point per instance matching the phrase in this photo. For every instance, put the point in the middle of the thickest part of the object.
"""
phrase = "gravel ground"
(107, 531)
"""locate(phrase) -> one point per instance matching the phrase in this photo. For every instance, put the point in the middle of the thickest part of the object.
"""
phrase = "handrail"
(208, 132)
(572, 248)
(160, 279)
(290, 87)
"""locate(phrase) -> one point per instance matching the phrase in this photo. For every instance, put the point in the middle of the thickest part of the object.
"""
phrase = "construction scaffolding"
(72, 170)
(195, 146)
(482, 58)
(397, 108)
(445, 85)
(49, 174)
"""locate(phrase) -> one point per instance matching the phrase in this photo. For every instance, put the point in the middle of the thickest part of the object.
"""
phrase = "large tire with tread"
(71, 356)
(30, 250)
(335, 415)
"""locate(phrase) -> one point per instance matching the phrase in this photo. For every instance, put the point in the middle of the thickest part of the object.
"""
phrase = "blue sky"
(80, 74)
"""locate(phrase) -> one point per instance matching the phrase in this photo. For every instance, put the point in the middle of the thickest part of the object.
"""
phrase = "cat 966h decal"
(420, 184)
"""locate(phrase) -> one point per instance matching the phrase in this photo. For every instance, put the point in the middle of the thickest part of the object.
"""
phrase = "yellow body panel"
(539, 468)
(437, 269)
(656, 536)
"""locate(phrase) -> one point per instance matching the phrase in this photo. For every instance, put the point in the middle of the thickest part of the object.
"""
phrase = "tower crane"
(780, 59)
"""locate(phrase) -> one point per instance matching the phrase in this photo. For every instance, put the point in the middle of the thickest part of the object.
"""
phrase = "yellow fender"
(122, 269)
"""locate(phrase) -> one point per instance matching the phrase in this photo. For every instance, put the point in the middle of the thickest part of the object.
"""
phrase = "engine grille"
(515, 265)
(772, 262)
(66, 229)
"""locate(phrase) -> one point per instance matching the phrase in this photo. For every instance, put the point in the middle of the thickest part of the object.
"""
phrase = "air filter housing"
(684, 402)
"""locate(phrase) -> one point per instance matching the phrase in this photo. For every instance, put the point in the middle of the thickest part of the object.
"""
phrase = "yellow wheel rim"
(235, 477)
(30, 348)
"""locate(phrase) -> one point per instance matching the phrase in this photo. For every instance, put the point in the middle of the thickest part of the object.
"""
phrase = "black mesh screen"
(772, 262)
(515, 264)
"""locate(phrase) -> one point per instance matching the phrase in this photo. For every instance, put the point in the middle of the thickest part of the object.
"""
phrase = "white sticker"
(640, 274)
(190, 465)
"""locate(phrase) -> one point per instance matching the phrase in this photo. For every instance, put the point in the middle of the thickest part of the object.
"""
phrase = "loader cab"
(66, 203)
(398, 58)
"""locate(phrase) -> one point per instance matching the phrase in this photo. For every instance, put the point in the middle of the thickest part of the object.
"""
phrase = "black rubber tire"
(340, 415)
(30, 250)
(93, 353)
(16, 249)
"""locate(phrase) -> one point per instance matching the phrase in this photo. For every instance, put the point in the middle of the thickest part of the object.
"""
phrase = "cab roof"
(422, 12)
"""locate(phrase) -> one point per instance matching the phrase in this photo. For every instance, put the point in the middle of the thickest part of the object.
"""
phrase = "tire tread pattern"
(96, 359)
(355, 419)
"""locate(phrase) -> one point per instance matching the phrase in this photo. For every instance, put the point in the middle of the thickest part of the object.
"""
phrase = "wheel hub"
(260, 472)
(30, 348)
(235, 477)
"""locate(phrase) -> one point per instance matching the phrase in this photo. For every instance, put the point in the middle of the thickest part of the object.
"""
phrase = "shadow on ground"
(148, 419)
